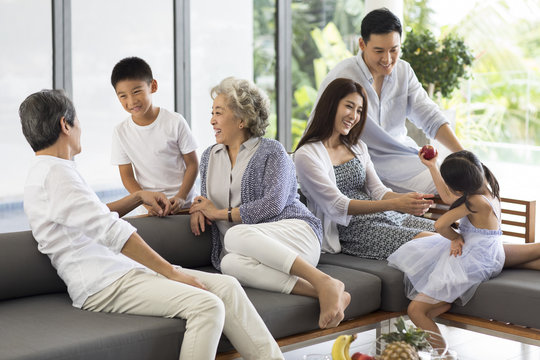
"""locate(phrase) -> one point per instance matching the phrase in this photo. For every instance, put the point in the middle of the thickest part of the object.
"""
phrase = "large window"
(323, 34)
(103, 32)
(246, 38)
(264, 55)
(221, 37)
(498, 108)
(25, 67)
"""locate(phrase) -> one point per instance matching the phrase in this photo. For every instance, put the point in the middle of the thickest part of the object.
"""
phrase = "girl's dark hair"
(322, 125)
(462, 171)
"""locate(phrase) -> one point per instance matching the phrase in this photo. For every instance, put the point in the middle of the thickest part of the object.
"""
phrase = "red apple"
(428, 151)
(360, 356)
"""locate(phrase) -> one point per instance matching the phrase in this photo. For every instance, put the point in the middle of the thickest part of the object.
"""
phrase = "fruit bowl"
(426, 353)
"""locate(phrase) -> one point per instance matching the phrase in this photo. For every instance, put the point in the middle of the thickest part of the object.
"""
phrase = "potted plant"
(438, 64)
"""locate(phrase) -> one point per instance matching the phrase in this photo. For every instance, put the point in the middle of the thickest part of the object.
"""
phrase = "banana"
(340, 349)
(346, 350)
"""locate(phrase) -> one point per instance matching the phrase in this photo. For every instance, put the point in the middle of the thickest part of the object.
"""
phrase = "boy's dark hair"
(131, 68)
(380, 21)
(40, 115)
(322, 124)
(462, 171)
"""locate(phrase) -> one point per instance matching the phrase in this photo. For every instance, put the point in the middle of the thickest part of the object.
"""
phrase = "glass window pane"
(104, 32)
(324, 33)
(497, 110)
(264, 55)
(26, 67)
(221, 46)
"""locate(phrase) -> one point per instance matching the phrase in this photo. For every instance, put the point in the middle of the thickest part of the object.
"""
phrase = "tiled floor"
(469, 345)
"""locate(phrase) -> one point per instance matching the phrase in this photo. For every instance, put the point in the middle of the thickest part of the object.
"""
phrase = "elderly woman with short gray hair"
(261, 233)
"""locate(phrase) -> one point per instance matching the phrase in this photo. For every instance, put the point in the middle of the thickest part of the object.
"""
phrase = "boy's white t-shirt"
(155, 151)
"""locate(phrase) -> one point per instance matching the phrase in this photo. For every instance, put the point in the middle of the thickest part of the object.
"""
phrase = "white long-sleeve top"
(79, 233)
(317, 181)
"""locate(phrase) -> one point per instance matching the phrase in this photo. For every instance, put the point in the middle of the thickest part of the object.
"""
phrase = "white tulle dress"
(431, 270)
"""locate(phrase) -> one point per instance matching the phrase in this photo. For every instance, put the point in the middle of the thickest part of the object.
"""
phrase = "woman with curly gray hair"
(261, 233)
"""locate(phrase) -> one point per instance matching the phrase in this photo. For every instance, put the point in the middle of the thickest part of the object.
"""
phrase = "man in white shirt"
(105, 264)
(394, 95)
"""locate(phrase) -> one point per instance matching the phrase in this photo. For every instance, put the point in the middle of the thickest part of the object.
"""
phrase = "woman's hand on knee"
(205, 206)
(198, 223)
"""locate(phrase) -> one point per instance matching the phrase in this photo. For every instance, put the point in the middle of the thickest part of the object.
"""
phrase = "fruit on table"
(340, 349)
(417, 338)
(360, 356)
(399, 350)
(428, 151)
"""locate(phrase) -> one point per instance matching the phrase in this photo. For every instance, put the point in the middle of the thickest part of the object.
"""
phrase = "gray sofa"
(510, 298)
(38, 321)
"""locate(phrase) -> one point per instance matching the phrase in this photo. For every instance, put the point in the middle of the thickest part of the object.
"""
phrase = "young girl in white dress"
(448, 267)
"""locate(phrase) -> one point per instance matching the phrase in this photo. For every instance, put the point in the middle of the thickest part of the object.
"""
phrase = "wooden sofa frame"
(518, 219)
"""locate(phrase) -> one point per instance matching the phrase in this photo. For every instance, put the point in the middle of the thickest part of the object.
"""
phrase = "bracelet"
(229, 214)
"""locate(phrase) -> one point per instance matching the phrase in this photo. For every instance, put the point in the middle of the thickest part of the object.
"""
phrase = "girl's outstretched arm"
(444, 192)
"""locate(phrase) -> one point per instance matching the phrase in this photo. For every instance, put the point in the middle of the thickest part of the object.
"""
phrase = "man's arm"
(154, 201)
(137, 249)
(446, 136)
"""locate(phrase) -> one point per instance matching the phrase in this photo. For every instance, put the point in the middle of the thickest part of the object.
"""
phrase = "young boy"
(105, 264)
(153, 148)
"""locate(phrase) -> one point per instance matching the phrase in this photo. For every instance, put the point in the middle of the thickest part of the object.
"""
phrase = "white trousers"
(224, 307)
(422, 183)
(261, 255)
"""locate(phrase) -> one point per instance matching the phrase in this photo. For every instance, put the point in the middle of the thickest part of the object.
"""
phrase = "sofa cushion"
(172, 238)
(510, 297)
(24, 271)
(393, 291)
(48, 327)
(286, 315)
(297, 313)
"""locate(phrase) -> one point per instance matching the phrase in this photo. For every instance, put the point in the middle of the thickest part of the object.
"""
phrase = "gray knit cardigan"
(268, 191)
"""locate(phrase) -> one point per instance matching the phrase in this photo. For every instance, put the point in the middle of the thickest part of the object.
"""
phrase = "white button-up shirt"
(394, 154)
(74, 228)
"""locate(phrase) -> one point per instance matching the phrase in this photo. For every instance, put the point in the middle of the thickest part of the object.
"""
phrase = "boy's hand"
(177, 203)
(156, 202)
(456, 246)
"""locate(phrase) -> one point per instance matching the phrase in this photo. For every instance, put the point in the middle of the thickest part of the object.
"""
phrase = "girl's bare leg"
(522, 255)
(422, 314)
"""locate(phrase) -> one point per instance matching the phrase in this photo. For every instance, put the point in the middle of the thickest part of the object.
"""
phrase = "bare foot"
(333, 300)
(345, 301)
